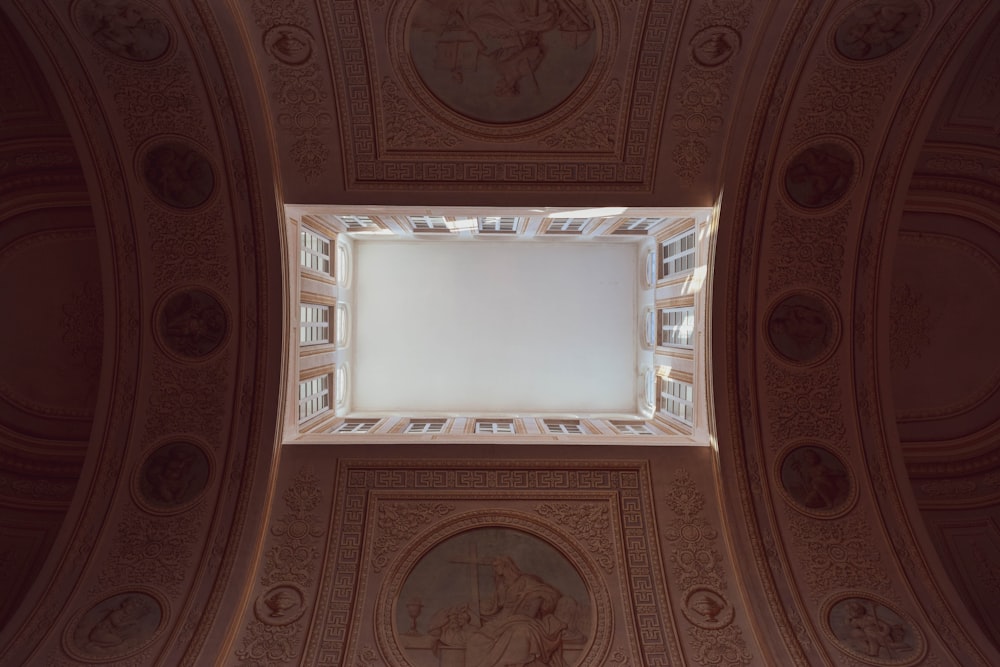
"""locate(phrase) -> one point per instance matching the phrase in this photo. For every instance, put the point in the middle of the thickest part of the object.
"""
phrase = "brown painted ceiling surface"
(849, 512)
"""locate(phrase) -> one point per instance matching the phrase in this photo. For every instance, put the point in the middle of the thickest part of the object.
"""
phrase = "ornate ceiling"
(848, 513)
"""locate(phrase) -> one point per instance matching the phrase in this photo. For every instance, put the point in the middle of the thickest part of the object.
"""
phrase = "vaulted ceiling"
(149, 511)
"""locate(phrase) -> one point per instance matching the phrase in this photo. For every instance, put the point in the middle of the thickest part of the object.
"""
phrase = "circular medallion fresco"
(173, 476)
(874, 29)
(125, 28)
(178, 174)
(803, 328)
(192, 323)
(816, 480)
(492, 597)
(871, 630)
(502, 61)
(820, 175)
(115, 627)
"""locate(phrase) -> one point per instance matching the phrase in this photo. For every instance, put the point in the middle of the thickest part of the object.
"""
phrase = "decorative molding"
(804, 404)
(837, 555)
(190, 398)
(704, 83)
(698, 570)
(843, 100)
(155, 551)
(189, 248)
(590, 523)
(807, 250)
(297, 85)
(289, 564)
(398, 522)
(364, 485)
(157, 101)
(405, 126)
(594, 129)
(910, 323)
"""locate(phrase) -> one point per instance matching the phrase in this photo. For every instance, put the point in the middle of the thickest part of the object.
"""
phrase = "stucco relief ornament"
(115, 627)
(290, 44)
(870, 629)
(714, 45)
(125, 28)
(874, 29)
(502, 61)
(172, 477)
(280, 605)
(821, 174)
(178, 174)
(803, 328)
(816, 481)
(191, 323)
(707, 608)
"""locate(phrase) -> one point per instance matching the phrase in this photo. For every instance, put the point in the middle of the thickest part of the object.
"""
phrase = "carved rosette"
(869, 628)
(120, 625)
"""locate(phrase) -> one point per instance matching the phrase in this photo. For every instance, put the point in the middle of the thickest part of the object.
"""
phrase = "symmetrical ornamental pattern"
(288, 572)
(698, 571)
(535, 505)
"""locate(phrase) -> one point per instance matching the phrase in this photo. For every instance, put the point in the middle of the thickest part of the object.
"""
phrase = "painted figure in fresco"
(506, 33)
(119, 625)
(127, 31)
(193, 323)
(179, 175)
(819, 176)
(875, 30)
(799, 331)
(519, 625)
(822, 487)
(452, 626)
(171, 475)
(872, 635)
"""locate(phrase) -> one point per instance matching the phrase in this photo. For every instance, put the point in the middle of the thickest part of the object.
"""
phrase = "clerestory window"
(495, 426)
(314, 397)
(677, 327)
(677, 400)
(677, 254)
(314, 251)
(314, 324)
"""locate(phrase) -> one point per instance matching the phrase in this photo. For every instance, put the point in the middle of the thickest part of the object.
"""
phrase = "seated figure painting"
(500, 613)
